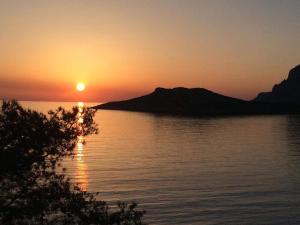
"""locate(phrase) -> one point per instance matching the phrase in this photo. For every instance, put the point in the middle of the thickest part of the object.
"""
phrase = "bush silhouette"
(32, 146)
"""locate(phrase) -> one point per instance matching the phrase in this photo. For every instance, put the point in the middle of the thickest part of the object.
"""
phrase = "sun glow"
(80, 86)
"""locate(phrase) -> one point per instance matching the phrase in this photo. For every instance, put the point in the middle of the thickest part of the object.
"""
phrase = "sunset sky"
(122, 49)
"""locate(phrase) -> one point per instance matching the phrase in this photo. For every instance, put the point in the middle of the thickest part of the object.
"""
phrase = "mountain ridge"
(203, 102)
(288, 91)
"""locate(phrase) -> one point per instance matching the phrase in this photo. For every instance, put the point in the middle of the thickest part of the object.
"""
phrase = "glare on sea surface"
(81, 167)
(81, 174)
(80, 106)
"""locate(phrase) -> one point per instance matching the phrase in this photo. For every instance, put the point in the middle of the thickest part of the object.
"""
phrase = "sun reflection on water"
(81, 167)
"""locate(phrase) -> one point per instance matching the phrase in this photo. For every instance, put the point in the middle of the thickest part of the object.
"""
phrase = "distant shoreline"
(283, 99)
(197, 103)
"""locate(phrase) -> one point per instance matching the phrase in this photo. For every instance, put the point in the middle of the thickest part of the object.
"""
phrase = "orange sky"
(122, 49)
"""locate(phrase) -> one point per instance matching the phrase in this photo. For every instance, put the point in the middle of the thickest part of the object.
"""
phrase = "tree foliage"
(32, 146)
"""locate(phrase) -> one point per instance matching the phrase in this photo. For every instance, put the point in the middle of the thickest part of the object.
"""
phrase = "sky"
(122, 49)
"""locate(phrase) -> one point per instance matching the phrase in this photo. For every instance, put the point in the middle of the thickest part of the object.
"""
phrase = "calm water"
(239, 170)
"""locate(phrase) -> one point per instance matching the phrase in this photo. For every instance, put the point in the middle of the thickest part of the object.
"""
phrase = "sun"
(80, 86)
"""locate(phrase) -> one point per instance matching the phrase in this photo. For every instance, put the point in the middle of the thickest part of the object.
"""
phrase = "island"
(202, 102)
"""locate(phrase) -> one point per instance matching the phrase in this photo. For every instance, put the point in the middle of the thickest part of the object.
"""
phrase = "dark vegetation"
(32, 146)
(284, 99)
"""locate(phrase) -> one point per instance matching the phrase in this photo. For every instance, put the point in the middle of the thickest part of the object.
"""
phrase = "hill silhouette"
(201, 102)
(179, 101)
(288, 91)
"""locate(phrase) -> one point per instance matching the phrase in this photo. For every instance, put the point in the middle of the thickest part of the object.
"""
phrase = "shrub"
(32, 146)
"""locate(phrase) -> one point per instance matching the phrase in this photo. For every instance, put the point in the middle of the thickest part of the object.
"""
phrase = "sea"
(183, 171)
